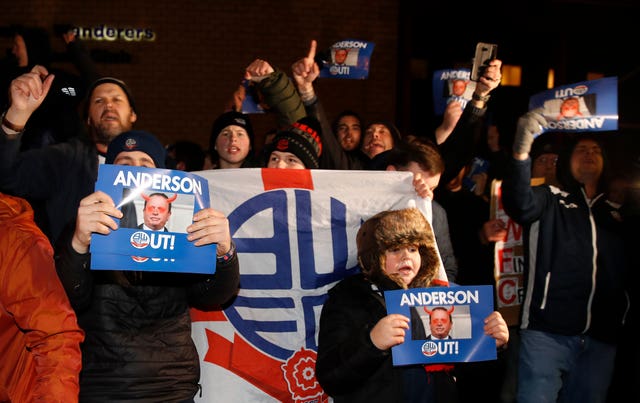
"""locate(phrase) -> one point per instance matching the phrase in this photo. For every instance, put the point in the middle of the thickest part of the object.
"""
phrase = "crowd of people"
(102, 343)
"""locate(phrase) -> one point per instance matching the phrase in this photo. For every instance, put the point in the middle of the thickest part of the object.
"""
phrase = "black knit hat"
(546, 143)
(302, 139)
(111, 80)
(228, 119)
(137, 140)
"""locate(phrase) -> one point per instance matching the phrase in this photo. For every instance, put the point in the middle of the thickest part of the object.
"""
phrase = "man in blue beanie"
(138, 330)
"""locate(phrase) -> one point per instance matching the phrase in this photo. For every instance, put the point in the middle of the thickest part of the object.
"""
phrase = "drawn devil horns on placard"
(169, 199)
(449, 311)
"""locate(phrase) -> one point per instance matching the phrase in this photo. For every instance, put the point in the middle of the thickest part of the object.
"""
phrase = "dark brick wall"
(183, 79)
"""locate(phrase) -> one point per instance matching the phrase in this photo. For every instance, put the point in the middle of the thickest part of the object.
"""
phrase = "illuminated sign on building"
(107, 33)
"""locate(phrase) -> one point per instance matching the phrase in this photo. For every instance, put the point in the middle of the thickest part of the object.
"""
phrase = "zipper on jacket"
(546, 290)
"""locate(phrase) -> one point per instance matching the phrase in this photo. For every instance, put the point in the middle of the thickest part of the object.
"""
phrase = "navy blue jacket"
(138, 343)
(575, 267)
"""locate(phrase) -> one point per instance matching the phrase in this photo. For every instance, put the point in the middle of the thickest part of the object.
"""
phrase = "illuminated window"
(511, 75)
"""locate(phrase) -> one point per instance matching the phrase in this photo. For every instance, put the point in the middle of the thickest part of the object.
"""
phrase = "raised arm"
(278, 91)
(27, 92)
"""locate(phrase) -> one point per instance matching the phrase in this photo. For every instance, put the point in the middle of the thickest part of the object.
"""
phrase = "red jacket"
(39, 335)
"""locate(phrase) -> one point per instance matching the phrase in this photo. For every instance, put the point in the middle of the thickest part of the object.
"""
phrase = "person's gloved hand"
(530, 125)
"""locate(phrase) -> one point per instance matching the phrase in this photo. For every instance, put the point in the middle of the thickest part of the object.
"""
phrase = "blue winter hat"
(137, 140)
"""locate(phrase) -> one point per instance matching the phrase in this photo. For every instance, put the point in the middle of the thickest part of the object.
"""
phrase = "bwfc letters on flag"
(295, 234)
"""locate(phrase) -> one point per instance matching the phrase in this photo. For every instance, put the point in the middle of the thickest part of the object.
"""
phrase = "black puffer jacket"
(138, 344)
(349, 367)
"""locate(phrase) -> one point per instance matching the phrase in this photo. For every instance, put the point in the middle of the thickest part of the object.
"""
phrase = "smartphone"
(485, 52)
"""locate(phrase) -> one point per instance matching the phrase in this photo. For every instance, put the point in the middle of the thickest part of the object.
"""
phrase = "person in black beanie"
(231, 141)
(297, 147)
(379, 139)
(396, 250)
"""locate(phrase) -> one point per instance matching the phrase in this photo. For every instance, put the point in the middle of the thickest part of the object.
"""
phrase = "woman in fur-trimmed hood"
(396, 250)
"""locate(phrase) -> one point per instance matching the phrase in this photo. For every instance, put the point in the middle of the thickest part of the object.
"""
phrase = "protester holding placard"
(576, 270)
(396, 250)
(137, 323)
(342, 139)
(380, 135)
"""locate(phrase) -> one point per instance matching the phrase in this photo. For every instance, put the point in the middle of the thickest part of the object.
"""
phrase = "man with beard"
(60, 175)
